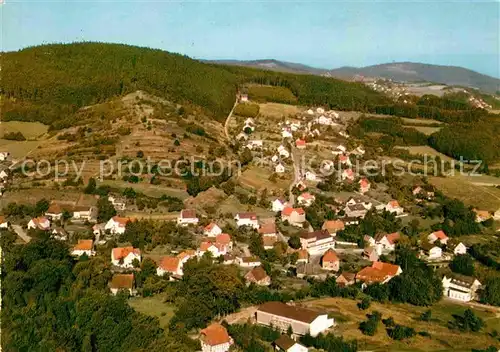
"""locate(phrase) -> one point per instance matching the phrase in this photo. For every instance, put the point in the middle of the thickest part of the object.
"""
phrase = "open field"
(141, 215)
(18, 149)
(148, 189)
(426, 150)
(32, 195)
(482, 197)
(30, 130)
(349, 316)
(276, 110)
(258, 178)
(418, 121)
(153, 306)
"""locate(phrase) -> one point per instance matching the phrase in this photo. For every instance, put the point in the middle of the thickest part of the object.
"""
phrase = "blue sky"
(325, 34)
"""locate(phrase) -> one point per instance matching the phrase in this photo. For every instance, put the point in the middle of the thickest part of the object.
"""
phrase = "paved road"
(226, 124)
(21, 233)
(296, 171)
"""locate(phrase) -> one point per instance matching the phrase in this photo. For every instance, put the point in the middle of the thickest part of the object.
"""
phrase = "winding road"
(226, 124)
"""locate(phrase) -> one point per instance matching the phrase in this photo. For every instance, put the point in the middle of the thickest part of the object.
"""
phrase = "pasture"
(30, 130)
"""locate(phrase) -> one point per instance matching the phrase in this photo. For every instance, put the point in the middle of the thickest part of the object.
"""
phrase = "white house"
(347, 174)
(460, 287)
(394, 207)
(247, 219)
(306, 199)
(286, 344)
(284, 153)
(278, 205)
(279, 169)
(123, 282)
(118, 203)
(83, 247)
(215, 338)
(285, 133)
(3, 175)
(54, 212)
(302, 321)
(458, 249)
(40, 223)
(248, 262)
(170, 265)
(386, 243)
(275, 158)
(320, 110)
(295, 216)
(4, 156)
(187, 217)
(3, 222)
(85, 213)
(364, 185)
(310, 176)
(432, 251)
(116, 225)
(310, 112)
(438, 236)
(212, 230)
(124, 256)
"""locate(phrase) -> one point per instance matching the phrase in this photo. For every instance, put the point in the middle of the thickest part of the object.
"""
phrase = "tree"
(140, 154)
(369, 327)
(91, 186)
(365, 303)
(463, 264)
(426, 316)
(469, 321)
(491, 292)
(105, 209)
(177, 143)
(294, 242)
(41, 206)
(400, 332)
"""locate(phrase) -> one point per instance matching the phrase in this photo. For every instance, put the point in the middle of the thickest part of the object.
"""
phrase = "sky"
(325, 34)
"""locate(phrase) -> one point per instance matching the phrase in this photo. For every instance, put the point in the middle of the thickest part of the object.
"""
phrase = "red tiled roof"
(333, 225)
(223, 238)
(307, 195)
(204, 246)
(378, 272)
(186, 253)
(303, 254)
(288, 211)
(2, 219)
(215, 334)
(300, 142)
(440, 235)
(392, 238)
(169, 264)
(122, 281)
(188, 214)
(394, 204)
(54, 208)
(210, 226)
(256, 274)
(364, 182)
(84, 245)
(248, 215)
(389, 269)
(269, 228)
(120, 220)
(330, 256)
(122, 252)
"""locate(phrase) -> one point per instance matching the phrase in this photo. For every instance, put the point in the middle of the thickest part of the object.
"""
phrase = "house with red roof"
(248, 262)
(83, 247)
(344, 160)
(386, 243)
(394, 207)
(54, 212)
(124, 256)
(439, 236)
(3, 222)
(122, 282)
(379, 272)
(333, 226)
(212, 230)
(215, 338)
(258, 276)
(247, 219)
(40, 223)
(300, 144)
(269, 235)
(364, 185)
(330, 261)
(187, 217)
(116, 225)
(306, 199)
(294, 216)
(347, 174)
(170, 265)
(371, 254)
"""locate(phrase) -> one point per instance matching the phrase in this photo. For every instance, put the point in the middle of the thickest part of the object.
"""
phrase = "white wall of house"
(78, 253)
(127, 261)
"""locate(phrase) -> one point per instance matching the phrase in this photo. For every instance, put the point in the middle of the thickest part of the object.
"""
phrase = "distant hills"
(399, 71)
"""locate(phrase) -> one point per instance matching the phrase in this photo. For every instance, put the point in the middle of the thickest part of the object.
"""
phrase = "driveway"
(21, 233)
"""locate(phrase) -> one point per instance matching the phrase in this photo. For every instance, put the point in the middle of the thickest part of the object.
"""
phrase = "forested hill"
(51, 82)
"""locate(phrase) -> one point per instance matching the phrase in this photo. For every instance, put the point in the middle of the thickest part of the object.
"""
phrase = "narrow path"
(226, 124)
(21, 233)
(296, 176)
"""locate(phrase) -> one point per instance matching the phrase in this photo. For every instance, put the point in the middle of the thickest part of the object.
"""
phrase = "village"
(309, 232)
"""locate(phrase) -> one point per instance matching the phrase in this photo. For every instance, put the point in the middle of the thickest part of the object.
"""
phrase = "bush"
(369, 327)
(401, 332)
(365, 303)
(14, 136)
(426, 316)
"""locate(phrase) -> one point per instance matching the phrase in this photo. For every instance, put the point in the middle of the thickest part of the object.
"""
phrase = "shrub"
(14, 136)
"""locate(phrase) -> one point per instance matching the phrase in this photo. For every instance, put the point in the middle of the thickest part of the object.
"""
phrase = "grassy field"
(419, 121)
(348, 317)
(18, 149)
(258, 178)
(482, 197)
(148, 189)
(30, 130)
(33, 195)
(154, 306)
(277, 111)
(426, 150)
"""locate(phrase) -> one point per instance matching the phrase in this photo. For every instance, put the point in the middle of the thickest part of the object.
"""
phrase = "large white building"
(301, 320)
(317, 242)
(116, 225)
(460, 287)
(247, 219)
(214, 338)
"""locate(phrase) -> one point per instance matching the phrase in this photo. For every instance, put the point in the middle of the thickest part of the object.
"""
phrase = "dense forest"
(49, 83)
